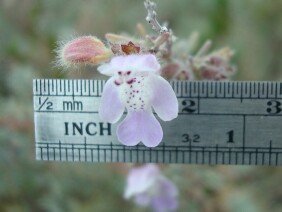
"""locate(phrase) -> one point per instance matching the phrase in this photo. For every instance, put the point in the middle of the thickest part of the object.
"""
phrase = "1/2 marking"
(47, 103)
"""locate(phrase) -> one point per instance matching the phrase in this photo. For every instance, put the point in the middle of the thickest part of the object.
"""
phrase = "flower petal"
(164, 203)
(167, 197)
(140, 126)
(163, 100)
(111, 107)
(167, 187)
(106, 69)
(142, 199)
(135, 62)
(141, 179)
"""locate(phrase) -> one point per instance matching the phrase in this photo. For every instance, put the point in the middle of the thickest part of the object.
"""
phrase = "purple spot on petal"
(117, 83)
(130, 82)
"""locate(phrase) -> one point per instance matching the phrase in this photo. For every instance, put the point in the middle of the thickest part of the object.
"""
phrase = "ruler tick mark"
(244, 138)
(36, 86)
(270, 153)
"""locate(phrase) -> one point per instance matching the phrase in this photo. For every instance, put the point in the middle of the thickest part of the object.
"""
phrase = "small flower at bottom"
(149, 188)
(136, 85)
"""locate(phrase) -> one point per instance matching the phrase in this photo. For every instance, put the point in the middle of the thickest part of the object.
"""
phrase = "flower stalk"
(152, 17)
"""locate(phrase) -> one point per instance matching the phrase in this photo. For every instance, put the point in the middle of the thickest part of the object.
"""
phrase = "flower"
(136, 85)
(150, 188)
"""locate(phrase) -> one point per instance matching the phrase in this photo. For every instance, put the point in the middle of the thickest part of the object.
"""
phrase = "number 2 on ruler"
(189, 106)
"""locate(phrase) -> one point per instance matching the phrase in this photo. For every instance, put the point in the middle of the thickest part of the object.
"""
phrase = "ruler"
(218, 123)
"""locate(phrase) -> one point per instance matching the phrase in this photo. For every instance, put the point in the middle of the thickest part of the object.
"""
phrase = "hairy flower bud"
(83, 50)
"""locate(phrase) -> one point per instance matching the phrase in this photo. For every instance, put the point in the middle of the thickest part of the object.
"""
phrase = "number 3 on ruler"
(274, 107)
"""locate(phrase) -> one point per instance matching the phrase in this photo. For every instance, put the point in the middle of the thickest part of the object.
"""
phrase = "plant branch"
(152, 17)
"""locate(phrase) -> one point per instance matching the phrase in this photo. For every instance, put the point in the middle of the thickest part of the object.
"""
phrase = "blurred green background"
(29, 30)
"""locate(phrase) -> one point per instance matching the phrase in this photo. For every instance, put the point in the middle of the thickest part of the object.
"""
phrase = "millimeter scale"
(218, 123)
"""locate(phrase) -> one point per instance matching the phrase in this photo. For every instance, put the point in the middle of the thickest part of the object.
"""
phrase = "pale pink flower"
(136, 85)
(149, 188)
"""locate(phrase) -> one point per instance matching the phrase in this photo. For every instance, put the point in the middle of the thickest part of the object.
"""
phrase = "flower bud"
(83, 50)
(176, 71)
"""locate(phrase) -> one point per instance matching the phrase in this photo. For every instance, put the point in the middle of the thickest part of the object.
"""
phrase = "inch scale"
(218, 123)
